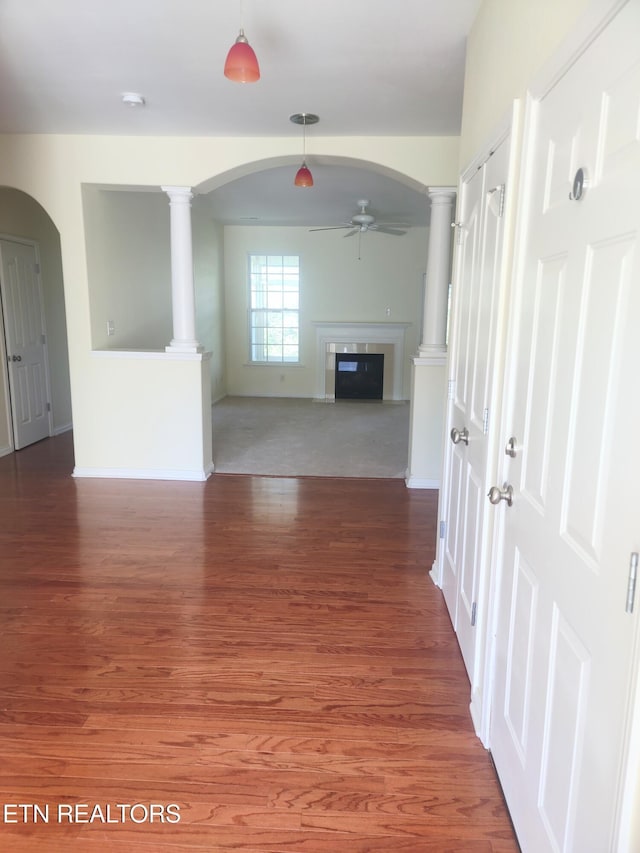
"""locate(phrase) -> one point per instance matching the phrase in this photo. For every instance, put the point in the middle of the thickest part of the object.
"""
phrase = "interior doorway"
(25, 338)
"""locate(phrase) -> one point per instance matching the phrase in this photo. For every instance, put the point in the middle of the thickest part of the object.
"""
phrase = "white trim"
(196, 475)
(442, 191)
(6, 450)
(151, 355)
(61, 429)
(436, 360)
(360, 333)
(421, 483)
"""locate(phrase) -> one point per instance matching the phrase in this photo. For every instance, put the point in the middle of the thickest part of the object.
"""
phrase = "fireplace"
(359, 376)
(334, 339)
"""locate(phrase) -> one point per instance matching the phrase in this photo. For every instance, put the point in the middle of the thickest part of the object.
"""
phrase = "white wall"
(53, 169)
(509, 42)
(334, 286)
(22, 216)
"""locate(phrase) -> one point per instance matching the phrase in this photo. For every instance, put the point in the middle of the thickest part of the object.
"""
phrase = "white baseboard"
(421, 483)
(64, 428)
(435, 574)
(476, 718)
(144, 473)
(5, 451)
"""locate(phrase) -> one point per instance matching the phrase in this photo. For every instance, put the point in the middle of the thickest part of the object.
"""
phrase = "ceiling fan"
(363, 221)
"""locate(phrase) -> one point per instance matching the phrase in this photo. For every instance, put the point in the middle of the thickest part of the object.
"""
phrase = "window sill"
(278, 364)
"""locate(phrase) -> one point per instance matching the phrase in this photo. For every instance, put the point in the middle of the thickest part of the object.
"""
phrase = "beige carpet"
(294, 437)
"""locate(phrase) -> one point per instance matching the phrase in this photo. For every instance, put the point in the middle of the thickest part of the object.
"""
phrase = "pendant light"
(241, 64)
(303, 177)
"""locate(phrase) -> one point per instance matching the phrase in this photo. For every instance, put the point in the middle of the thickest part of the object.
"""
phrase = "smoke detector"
(132, 99)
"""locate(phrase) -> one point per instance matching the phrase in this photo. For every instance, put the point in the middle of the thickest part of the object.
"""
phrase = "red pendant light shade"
(303, 177)
(242, 65)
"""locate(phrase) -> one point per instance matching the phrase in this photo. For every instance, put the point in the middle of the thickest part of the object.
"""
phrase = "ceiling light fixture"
(241, 64)
(303, 177)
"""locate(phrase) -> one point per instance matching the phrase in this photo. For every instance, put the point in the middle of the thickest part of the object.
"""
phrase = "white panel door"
(25, 342)
(564, 645)
(473, 364)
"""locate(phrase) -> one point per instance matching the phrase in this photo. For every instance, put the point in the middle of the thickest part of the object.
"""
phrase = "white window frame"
(274, 308)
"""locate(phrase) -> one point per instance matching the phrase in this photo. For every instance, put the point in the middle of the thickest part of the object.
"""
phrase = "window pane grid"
(274, 308)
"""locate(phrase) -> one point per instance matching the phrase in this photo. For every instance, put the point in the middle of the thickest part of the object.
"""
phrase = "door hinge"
(48, 407)
(43, 339)
(443, 529)
(474, 610)
(37, 268)
(485, 422)
(496, 201)
(451, 390)
(631, 586)
(458, 227)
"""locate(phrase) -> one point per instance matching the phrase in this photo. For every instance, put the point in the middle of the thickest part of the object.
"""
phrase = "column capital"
(183, 194)
(441, 195)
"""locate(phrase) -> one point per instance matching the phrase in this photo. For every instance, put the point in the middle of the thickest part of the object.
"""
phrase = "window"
(274, 308)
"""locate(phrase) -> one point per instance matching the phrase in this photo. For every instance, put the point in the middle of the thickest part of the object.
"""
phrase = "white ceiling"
(366, 67)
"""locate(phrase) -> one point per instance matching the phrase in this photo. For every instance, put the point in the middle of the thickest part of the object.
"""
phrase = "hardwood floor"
(268, 655)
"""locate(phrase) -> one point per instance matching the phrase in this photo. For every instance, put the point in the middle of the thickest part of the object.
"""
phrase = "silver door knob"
(496, 494)
(460, 435)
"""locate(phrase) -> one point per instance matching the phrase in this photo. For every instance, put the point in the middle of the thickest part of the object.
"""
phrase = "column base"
(432, 349)
(184, 346)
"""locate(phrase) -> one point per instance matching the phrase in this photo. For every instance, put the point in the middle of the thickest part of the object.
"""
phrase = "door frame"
(4, 319)
(594, 20)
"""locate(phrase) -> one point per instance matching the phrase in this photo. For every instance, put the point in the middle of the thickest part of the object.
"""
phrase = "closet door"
(473, 366)
(562, 717)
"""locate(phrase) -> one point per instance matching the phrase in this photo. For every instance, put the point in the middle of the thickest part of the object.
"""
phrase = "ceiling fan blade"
(351, 233)
(396, 232)
(331, 228)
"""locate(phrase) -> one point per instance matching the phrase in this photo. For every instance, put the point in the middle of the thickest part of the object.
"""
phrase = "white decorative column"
(434, 321)
(428, 380)
(182, 287)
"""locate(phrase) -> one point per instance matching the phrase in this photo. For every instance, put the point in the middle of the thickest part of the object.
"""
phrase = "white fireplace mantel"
(360, 333)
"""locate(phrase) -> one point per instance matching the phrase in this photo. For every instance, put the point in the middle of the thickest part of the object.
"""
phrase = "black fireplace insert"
(359, 376)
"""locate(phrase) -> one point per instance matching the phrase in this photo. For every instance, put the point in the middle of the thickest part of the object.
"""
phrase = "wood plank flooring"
(267, 656)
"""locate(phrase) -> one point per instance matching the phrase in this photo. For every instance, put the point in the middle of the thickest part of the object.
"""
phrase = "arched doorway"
(25, 224)
(373, 279)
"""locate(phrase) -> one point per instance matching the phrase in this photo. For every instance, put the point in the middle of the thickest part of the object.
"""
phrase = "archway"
(259, 210)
